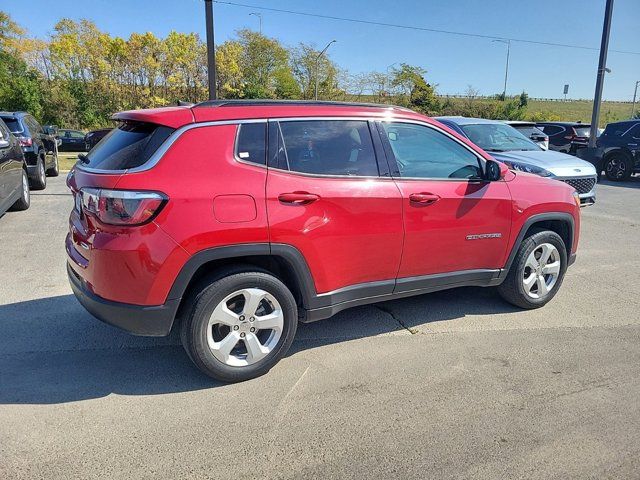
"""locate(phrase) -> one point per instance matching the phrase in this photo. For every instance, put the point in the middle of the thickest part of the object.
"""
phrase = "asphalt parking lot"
(449, 385)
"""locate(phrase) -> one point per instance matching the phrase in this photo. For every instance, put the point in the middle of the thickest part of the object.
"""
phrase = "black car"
(14, 183)
(619, 146)
(94, 136)
(71, 140)
(36, 144)
(566, 137)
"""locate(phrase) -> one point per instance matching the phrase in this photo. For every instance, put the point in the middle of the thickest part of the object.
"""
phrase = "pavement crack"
(389, 312)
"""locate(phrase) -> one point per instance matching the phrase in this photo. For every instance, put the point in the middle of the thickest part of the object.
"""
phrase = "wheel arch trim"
(531, 221)
(292, 257)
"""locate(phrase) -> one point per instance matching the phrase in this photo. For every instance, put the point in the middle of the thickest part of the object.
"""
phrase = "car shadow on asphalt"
(633, 182)
(53, 351)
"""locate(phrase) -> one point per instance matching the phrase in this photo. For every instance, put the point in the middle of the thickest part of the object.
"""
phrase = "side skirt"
(374, 292)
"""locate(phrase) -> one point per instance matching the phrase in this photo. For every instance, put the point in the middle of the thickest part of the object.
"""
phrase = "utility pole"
(317, 64)
(635, 92)
(506, 69)
(602, 69)
(211, 49)
(259, 15)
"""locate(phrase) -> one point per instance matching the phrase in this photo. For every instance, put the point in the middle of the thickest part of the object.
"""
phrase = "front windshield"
(498, 137)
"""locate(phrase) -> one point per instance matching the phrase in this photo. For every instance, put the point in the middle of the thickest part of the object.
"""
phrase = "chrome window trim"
(317, 118)
(242, 160)
(481, 160)
(168, 143)
(159, 153)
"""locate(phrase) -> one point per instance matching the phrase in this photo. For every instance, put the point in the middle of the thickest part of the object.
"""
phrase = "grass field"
(580, 110)
(66, 160)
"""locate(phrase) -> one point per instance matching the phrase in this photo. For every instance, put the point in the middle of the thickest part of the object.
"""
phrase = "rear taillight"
(122, 207)
(25, 141)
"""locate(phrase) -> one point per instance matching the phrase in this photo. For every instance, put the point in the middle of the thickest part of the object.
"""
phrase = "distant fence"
(536, 99)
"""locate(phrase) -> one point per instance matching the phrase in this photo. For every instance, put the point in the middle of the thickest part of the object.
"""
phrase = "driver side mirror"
(495, 170)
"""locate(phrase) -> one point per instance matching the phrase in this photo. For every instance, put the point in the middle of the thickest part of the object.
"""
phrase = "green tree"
(414, 91)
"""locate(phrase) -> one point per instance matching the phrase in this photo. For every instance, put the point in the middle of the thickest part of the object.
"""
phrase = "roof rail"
(268, 102)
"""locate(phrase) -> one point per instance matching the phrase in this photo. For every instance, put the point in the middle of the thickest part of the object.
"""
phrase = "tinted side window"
(634, 132)
(127, 146)
(13, 124)
(251, 144)
(329, 147)
(423, 152)
(552, 130)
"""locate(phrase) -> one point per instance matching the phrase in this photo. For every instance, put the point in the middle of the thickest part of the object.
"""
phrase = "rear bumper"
(152, 321)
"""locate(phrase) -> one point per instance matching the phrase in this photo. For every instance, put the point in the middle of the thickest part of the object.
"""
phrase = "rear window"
(526, 129)
(129, 145)
(13, 124)
(583, 131)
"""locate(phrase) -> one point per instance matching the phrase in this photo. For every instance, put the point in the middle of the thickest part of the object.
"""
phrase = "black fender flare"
(289, 254)
(532, 220)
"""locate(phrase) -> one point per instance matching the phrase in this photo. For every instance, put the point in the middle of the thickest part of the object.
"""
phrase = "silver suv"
(508, 145)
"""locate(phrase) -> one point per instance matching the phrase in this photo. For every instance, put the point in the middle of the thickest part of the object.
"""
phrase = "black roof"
(270, 102)
(13, 114)
(565, 124)
(629, 123)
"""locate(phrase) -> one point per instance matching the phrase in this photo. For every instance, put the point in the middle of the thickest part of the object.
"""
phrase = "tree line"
(80, 75)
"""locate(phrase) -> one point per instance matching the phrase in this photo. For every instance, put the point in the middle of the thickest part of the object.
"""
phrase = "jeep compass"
(235, 220)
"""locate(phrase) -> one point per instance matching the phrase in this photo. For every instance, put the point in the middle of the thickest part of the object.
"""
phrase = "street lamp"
(259, 15)
(317, 64)
(635, 92)
(506, 70)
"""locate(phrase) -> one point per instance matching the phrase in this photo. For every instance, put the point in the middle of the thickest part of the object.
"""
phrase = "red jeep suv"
(234, 220)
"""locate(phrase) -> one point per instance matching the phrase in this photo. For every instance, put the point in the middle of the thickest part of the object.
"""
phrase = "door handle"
(298, 198)
(423, 198)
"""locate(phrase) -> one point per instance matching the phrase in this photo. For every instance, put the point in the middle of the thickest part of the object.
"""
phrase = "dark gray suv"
(40, 150)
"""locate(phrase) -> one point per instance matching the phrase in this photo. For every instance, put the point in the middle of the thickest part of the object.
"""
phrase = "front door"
(326, 198)
(454, 220)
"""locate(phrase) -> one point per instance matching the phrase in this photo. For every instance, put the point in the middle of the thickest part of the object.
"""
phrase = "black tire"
(513, 290)
(39, 180)
(195, 323)
(24, 201)
(618, 167)
(55, 170)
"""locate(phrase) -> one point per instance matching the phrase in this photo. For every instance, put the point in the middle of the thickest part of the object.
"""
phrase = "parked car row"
(508, 145)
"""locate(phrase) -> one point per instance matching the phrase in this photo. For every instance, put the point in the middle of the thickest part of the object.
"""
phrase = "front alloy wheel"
(618, 168)
(537, 271)
(541, 271)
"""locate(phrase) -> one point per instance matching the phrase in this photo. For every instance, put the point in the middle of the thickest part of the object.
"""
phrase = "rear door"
(454, 221)
(326, 197)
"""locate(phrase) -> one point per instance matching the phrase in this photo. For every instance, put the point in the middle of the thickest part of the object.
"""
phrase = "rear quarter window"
(13, 124)
(130, 145)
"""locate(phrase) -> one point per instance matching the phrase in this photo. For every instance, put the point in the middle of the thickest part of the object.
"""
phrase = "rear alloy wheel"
(24, 201)
(537, 271)
(240, 326)
(40, 180)
(618, 168)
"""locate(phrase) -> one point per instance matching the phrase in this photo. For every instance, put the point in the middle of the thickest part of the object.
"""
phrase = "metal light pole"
(259, 15)
(602, 68)
(211, 51)
(506, 70)
(317, 64)
(635, 92)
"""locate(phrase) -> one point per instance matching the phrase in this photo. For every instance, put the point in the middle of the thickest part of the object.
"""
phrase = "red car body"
(335, 241)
